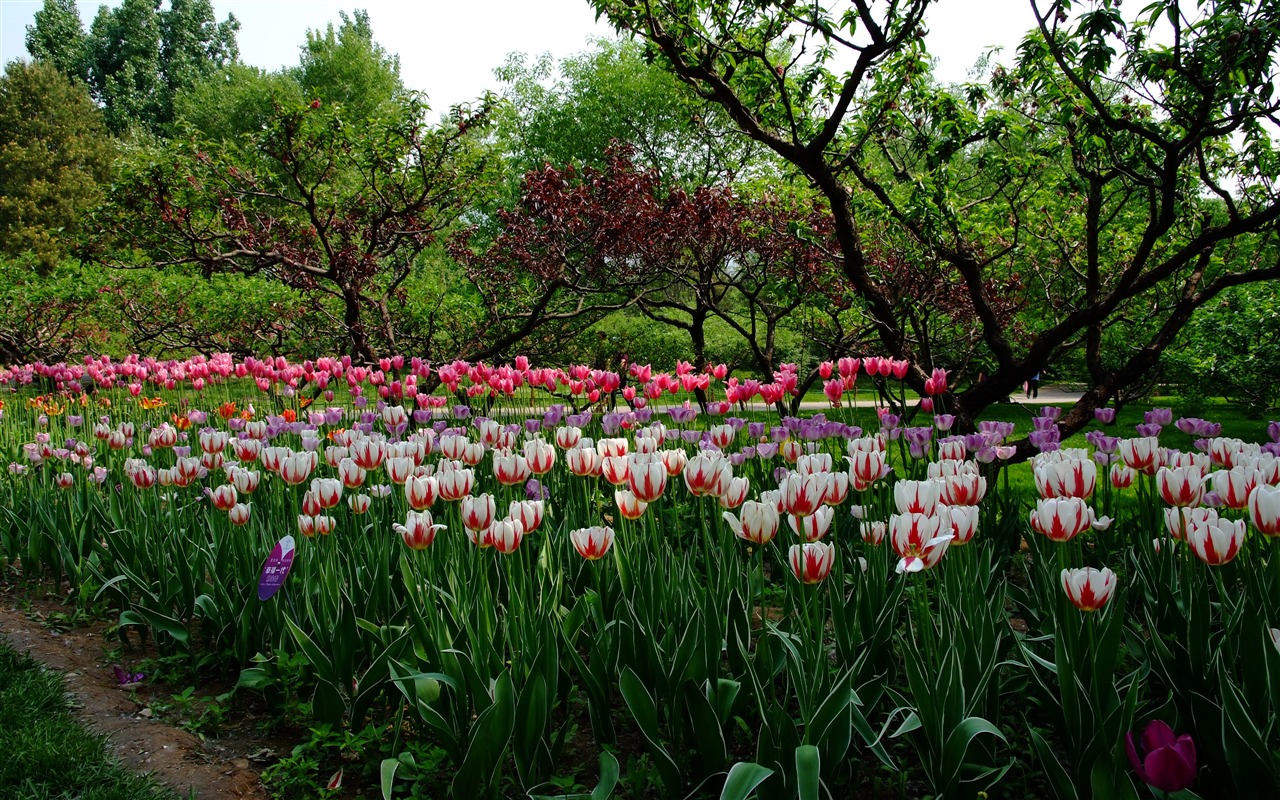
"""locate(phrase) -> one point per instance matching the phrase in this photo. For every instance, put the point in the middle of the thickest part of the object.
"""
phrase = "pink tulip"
(421, 492)
(223, 497)
(802, 495)
(510, 469)
(1264, 509)
(811, 562)
(735, 492)
(646, 476)
(1141, 454)
(592, 543)
(505, 535)
(1181, 486)
(1089, 589)
(873, 533)
(418, 530)
(1215, 541)
(328, 491)
(238, 514)
(568, 437)
(813, 527)
(584, 461)
(540, 456)
(834, 390)
(1061, 519)
(478, 512)
(756, 522)
(917, 497)
(919, 539)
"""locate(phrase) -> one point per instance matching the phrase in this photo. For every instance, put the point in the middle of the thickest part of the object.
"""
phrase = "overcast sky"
(449, 48)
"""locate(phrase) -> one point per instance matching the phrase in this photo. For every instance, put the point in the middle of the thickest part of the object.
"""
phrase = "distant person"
(1033, 386)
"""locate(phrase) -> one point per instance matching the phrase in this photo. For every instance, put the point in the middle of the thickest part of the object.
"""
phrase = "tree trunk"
(355, 326)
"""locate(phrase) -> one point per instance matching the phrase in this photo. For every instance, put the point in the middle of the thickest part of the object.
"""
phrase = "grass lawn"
(47, 755)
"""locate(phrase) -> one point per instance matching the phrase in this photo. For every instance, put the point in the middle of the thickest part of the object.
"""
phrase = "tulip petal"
(1168, 772)
(1134, 760)
(1157, 734)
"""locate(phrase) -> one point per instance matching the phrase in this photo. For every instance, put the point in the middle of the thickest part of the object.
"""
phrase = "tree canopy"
(135, 58)
(54, 155)
(1124, 132)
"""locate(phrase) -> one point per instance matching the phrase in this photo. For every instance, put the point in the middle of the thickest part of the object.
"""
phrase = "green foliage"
(58, 38)
(54, 153)
(348, 68)
(76, 310)
(136, 57)
(570, 113)
(334, 206)
(1090, 197)
(234, 102)
(1232, 349)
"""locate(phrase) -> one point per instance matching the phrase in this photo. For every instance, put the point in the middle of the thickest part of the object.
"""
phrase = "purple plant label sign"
(276, 569)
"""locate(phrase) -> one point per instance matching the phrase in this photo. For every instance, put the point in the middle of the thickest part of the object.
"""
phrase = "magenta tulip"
(1167, 763)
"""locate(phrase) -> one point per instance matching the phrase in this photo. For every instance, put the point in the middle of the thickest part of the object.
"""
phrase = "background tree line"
(749, 185)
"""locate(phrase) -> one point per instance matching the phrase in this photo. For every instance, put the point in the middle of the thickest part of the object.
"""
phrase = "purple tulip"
(1148, 429)
(126, 678)
(918, 437)
(1045, 440)
(997, 427)
(1167, 763)
(1044, 423)
(1273, 430)
(1105, 415)
(1158, 416)
(1188, 425)
(1051, 412)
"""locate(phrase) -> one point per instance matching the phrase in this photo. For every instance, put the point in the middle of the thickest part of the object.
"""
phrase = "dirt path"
(175, 757)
